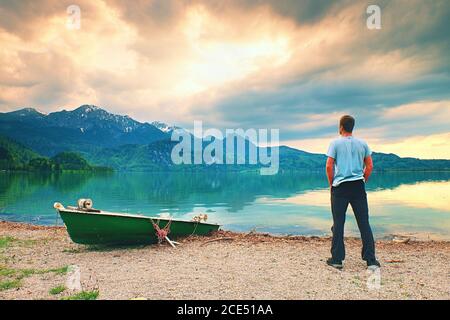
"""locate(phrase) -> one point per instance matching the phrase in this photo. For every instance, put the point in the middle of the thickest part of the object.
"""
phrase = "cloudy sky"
(294, 65)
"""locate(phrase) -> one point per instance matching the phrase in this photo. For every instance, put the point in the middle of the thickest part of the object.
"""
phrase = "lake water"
(400, 203)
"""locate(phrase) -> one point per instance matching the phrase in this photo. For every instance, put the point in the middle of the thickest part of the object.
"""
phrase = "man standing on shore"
(349, 166)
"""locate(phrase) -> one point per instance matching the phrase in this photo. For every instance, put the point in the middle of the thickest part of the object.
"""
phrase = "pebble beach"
(36, 262)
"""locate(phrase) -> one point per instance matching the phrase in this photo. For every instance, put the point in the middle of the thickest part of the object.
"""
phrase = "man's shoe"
(373, 264)
(335, 263)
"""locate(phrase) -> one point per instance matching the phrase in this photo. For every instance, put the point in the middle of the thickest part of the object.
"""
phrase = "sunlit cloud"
(420, 146)
(292, 65)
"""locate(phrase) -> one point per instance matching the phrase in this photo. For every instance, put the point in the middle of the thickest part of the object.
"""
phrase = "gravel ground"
(239, 266)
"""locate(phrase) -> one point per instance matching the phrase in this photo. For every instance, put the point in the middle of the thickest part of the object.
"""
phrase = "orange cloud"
(176, 61)
(433, 146)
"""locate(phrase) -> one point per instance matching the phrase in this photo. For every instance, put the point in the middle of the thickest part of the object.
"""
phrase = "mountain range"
(120, 142)
(84, 129)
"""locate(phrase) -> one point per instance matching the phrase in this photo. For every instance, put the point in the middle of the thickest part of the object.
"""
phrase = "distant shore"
(35, 260)
(192, 169)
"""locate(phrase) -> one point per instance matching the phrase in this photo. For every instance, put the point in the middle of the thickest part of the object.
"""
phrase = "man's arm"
(368, 167)
(330, 170)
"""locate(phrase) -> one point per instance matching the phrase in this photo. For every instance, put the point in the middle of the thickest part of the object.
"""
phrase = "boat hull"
(110, 229)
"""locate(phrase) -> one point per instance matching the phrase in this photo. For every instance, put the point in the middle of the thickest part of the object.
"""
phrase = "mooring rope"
(161, 234)
(195, 229)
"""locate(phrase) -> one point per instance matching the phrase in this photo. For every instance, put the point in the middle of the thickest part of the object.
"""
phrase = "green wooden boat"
(90, 226)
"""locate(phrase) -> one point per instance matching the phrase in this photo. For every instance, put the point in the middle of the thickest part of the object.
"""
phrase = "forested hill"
(15, 156)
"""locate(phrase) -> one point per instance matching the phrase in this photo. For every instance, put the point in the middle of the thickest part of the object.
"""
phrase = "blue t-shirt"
(349, 154)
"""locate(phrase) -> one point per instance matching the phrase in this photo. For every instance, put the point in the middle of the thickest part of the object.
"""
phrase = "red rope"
(161, 234)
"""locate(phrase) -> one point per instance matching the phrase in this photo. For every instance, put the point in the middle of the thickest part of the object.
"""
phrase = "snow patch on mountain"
(164, 127)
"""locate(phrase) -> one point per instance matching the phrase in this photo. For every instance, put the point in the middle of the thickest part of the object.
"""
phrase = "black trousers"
(353, 192)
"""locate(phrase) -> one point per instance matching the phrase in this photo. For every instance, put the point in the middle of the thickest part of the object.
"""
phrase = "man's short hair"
(347, 122)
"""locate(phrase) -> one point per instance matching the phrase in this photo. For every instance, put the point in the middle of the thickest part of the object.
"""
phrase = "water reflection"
(285, 203)
(425, 195)
(422, 207)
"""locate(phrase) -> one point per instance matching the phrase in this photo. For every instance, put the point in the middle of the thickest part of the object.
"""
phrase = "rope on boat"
(161, 234)
(197, 220)
(195, 229)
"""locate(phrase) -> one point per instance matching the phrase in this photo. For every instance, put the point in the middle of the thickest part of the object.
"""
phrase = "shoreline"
(399, 236)
(226, 265)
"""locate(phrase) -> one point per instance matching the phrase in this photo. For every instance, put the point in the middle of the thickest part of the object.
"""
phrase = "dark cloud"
(164, 12)
(26, 18)
(293, 104)
(417, 31)
(412, 31)
(302, 11)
